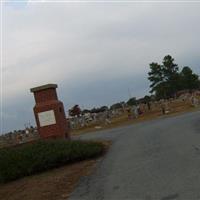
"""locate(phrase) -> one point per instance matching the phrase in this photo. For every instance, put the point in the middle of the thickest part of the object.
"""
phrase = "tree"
(85, 111)
(75, 111)
(147, 99)
(116, 106)
(164, 78)
(132, 101)
(98, 110)
(103, 108)
(169, 68)
(189, 80)
(155, 76)
(171, 75)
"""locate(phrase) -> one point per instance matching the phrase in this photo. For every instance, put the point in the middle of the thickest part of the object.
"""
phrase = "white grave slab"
(46, 118)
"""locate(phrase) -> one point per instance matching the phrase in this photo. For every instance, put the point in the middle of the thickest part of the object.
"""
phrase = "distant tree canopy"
(145, 99)
(117, 106)
(189, 80)
(75, 111)
(132, 101)
(166, 79)
(85, 111)
(98, 110)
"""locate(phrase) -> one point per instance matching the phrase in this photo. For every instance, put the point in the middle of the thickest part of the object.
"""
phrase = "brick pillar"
(49, 112)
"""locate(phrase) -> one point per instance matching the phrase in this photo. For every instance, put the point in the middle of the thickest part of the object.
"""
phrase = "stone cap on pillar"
(43, 87)
(45, 93)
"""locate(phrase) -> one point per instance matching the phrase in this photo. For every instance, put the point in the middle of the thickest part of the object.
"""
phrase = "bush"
(28, 159)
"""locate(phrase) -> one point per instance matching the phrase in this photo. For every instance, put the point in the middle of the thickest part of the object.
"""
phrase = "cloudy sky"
(94, 51)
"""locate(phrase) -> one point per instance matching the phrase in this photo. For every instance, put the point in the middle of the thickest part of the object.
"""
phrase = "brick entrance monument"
(49, 112)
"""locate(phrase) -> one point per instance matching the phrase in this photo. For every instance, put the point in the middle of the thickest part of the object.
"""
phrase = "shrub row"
(33, 158)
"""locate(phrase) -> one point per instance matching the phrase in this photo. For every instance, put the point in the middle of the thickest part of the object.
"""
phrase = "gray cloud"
(93, 51)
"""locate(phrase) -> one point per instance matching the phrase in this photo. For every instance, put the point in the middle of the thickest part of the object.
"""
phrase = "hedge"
(28, 159)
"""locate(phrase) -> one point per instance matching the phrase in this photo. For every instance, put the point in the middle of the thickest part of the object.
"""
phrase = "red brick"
(46, 99)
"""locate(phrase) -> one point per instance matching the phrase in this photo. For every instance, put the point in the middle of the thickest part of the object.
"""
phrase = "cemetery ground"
(175, 108)
(151, 160)
(58, 184)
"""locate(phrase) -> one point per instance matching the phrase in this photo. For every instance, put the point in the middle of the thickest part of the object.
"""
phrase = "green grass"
(28, 159)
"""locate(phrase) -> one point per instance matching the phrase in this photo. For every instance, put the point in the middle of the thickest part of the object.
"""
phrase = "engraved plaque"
(47, 118)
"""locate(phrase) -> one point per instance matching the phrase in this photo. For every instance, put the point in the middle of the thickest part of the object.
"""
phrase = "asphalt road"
(158, 159)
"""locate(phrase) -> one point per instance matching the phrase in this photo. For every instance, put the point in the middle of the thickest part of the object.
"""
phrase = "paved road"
(158, 159)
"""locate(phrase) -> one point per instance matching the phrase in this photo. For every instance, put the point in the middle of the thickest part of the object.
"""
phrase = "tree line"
(76, 110)
(167, 79)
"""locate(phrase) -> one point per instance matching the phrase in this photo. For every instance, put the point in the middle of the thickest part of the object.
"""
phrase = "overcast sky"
(95, 52)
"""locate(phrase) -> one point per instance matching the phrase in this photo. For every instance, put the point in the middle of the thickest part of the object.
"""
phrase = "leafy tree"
(75, 111)
(155, 76)
(189, 80)
(85, 111)
(164, 78)
(94, 110)
(171, 76)
(132, 101)
(169, 68)
(147, 99)
(116, 106)
(103, 108)
(98, 110)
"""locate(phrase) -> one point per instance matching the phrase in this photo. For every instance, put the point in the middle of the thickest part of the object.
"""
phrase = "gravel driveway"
(158, 159)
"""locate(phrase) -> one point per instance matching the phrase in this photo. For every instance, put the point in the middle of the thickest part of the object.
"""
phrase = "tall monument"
(49, 112)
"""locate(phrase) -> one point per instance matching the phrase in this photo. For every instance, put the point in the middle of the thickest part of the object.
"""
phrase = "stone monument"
(49, 113)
